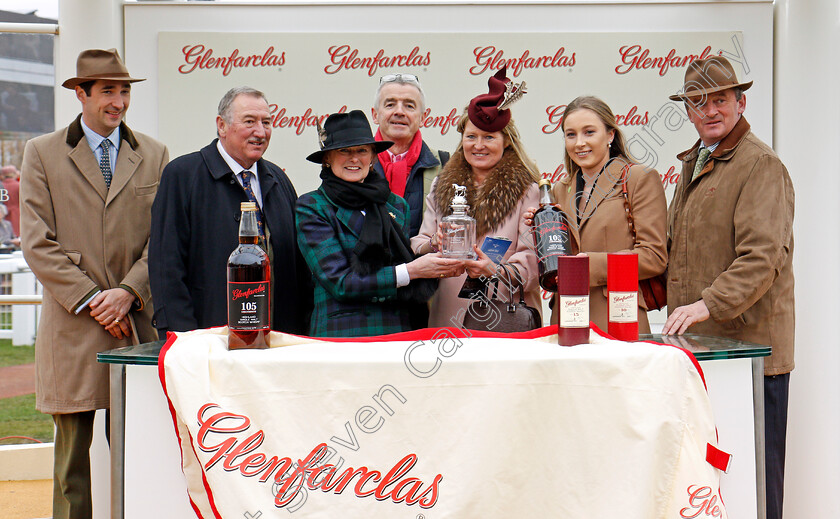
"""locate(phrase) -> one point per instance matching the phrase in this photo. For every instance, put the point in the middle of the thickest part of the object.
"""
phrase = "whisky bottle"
(249, 287)
(551, 237)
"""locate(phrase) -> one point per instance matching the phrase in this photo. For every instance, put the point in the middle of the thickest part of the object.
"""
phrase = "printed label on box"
(624, 307)
(574, 311)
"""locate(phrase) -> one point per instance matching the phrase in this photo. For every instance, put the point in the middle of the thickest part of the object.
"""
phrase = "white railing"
(20, 295)
(29, 28)
(11, 299)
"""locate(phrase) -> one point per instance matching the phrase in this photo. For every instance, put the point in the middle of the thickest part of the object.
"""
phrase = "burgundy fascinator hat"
(489, 112)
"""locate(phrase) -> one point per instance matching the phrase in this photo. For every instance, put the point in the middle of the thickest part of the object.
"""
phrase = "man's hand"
(119, 329)
(111, 306)
(684, 316)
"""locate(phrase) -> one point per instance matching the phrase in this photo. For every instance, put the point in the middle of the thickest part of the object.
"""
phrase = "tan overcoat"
(78, 235)
(603, 228)
(730, 238)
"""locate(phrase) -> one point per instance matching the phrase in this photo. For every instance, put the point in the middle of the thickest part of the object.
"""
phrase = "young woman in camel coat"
(591, 196)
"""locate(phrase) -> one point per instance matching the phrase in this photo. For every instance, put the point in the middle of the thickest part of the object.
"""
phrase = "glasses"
(390, 78)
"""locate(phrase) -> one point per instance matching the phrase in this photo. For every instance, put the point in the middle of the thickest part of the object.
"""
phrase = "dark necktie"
(105, 163)
(246, 183)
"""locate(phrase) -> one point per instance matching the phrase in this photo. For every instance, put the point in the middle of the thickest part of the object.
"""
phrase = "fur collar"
(493, 202)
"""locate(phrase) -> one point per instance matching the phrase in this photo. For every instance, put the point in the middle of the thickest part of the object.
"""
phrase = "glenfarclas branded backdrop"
(440, 425)
(307, 76)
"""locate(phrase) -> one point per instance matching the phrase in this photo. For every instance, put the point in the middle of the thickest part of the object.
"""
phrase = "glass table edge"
(147, 354)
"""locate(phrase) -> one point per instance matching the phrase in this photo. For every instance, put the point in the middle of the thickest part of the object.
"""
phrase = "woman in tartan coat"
(353, 234)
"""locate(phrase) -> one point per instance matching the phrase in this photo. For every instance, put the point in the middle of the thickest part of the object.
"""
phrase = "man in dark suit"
(85, 196)
(195, 224)
(409, 165)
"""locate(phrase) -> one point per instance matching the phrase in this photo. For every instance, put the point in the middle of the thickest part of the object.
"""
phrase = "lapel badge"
(392, 215)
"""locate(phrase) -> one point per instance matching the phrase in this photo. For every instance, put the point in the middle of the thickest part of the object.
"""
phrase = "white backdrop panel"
(181, 113)
(308, 75)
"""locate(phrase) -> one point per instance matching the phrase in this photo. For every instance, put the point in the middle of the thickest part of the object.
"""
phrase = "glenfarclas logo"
(622, 299)
(288, 476)
(200, 57)
(281, 119)
(444, 122)
(669, 177)
(344, 57)
(237, 294)
(575, 302)
(557, 175)
(552, 227)
(633, 57)
(489, 58)
(631, 118)
(702, 502)
(555, 118)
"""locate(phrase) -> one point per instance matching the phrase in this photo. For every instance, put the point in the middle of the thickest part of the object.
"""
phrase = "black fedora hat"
(345, 131)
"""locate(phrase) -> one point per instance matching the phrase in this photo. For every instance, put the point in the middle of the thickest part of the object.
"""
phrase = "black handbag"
(490, 314)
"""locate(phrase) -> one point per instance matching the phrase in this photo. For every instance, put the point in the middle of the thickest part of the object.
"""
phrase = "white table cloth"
(442, 426)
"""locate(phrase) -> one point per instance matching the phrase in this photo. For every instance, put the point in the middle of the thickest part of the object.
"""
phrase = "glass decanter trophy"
(458, 228)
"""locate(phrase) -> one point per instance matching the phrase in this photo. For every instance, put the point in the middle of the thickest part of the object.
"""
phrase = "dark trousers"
(71, 466)
(775, 429)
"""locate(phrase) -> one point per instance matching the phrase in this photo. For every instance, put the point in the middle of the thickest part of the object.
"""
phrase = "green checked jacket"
(347, 304)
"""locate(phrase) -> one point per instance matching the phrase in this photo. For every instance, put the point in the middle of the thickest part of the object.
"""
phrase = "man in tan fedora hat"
(730, 241)
(86, 195)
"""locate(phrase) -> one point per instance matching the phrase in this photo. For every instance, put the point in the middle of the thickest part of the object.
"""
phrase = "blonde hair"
(605, 114)
(512, 138)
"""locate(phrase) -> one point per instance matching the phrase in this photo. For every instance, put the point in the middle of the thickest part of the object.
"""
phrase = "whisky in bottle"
(249, 287)
(551, 237)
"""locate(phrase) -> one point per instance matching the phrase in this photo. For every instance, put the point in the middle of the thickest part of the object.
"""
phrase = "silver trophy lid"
(459, 200)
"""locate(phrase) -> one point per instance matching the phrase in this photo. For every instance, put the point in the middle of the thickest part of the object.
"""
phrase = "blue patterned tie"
(246, 183)
(105, 163)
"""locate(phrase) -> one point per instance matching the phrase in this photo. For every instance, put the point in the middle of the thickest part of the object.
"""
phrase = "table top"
(145, 354)
(707, 347)
(704, 347)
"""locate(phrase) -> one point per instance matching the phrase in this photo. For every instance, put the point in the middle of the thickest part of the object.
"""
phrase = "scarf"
(397, 172)
(381, 241)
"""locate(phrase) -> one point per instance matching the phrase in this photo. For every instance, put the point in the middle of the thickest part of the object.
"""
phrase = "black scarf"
(381, 241)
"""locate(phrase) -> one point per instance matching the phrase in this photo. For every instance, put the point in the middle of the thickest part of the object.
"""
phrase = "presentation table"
(148, 481)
